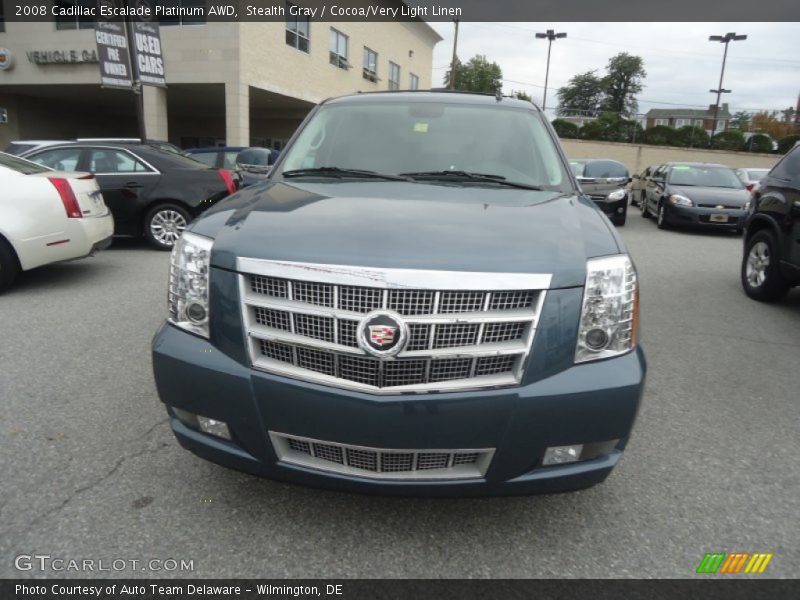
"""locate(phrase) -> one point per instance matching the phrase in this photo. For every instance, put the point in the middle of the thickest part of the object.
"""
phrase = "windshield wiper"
(340, 173)
(469, 176)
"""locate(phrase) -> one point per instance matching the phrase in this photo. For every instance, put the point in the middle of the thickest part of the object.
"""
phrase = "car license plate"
(718, 218)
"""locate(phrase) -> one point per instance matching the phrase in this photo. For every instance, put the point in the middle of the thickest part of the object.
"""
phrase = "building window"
(338, 50)
(682, 122)
(662, 122)
(185, 12)
(721, 125)
(63, 22)
(297, 30)
(413, 82)
(698, 122)
(394, 76)
(370, 65)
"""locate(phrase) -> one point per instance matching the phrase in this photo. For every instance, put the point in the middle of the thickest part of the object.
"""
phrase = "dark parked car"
(150, 192)
(605, 182)
(223, 157)
(696, 195)
(420, 300)
(771, 262)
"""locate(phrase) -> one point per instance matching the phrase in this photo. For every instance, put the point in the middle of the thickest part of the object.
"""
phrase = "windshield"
(704, 176)
(20, 165)
(756, 174)
(608, 169)
(401, 137)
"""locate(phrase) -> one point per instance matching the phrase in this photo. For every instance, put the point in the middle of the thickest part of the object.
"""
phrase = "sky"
(762, 72)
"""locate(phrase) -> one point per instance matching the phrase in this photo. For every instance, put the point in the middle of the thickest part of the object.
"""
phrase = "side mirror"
(630, 179)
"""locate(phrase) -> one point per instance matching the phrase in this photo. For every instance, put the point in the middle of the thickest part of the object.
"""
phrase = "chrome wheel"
(757, 264)
(166, 226)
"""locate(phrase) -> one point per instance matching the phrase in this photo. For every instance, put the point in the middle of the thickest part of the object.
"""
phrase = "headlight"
(617, 195)
(188, 283)
(679, 200)
(746, 206)
(610, 309)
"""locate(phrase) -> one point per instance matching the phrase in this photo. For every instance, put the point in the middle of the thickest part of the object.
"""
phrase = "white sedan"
(47, 216)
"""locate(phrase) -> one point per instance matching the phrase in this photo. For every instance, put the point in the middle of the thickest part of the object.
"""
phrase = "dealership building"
(234, 84)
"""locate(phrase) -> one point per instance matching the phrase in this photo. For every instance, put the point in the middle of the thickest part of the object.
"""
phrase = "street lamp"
(723, 39)
(549, 35)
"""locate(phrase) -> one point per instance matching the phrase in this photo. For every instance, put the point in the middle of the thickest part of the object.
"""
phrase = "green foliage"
(741, 120)
(759, 143)
(689, 136)
(478, 75)
(582, 95)
(522, 96)
(622, 82)
(660, 135)
(566, 129)
(787, 143)
(610, 127)
(729, 140)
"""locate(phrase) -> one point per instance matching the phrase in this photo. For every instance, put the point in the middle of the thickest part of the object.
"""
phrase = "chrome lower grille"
(380, 463)
(304, 321)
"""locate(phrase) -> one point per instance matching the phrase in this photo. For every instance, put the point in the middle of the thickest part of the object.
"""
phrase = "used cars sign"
(147, 53)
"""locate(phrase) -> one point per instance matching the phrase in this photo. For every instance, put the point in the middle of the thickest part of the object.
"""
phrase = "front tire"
(661, 220)
(9, 266)
(761, 276)
(643, 207)
(164, 225)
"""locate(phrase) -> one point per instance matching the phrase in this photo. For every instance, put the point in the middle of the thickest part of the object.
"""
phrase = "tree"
(689, 136)
(610, 127)
(522, 96)
(741, 120)
(581, 96)
(622, 82)
(729, 140)
(787, 143)
(566, 129)
(759, 143)
(660, 135)
(769, 123)
(478, 75)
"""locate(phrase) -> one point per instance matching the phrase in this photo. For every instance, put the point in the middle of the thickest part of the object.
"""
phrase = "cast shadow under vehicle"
(84, 272)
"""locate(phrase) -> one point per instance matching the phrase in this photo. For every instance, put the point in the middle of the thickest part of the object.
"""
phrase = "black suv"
(150, 191)
(771, 262)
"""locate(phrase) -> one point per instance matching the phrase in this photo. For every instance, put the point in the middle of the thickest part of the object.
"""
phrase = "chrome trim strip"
(393, 278)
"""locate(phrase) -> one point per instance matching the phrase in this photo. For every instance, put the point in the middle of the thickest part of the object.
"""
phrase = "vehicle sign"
(718, 218)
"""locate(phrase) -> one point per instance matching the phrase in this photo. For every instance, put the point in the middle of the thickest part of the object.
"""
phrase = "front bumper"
(693, 216)
(589, 403)
(612, 208)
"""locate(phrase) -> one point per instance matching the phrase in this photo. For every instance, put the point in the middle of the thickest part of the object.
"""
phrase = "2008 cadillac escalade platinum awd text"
(418, 301)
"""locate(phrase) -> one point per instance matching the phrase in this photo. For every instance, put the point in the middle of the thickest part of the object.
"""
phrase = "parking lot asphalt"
(90, 469)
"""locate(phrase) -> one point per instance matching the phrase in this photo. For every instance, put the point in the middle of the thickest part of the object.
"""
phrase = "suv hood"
(411, 226)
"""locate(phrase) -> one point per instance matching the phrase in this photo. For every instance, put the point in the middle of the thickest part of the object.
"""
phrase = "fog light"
(596, 339)
(214, 427)
(559, 455)
(196, 312)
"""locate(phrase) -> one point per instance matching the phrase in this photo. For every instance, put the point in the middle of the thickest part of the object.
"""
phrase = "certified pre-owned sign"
(147, 55)
(113, 54)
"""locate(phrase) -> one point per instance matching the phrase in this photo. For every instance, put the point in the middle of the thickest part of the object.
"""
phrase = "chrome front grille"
(464, 330)
(380, 463)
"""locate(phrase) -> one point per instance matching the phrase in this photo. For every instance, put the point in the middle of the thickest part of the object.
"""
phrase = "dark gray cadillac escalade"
(418, 301)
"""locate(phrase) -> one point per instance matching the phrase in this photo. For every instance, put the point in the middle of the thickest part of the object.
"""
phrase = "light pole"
(723, 39)
(455, 58)
(549, 35)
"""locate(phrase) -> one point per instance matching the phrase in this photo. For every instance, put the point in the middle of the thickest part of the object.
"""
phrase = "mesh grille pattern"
(347, 333)
(491, 365)
(360, 299)
(512, 300)
(315, 360)
(411, 302)
(277, 351)
(313, 326)
(469, 463)
(322, 320)
(432, 460)
(456, 334)
(404, 372)
(269, 286)
(503, 332)
(458, 302)
(450, 368)
(310, 292)
(418, 336)
(269, 317)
